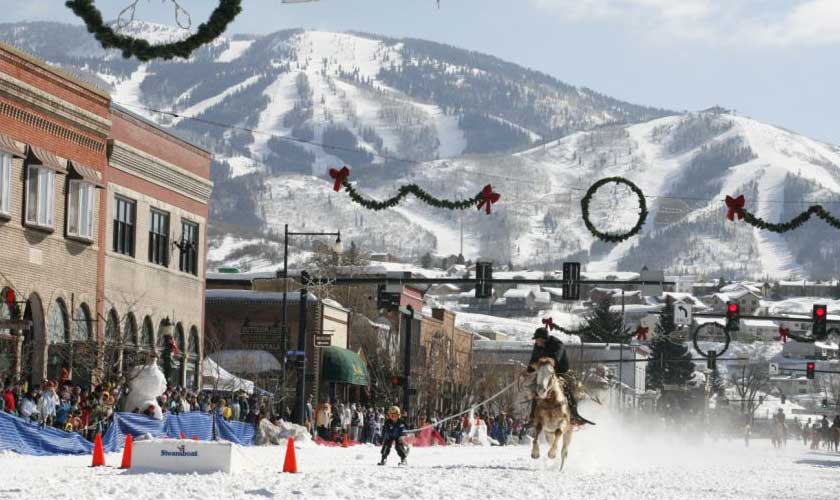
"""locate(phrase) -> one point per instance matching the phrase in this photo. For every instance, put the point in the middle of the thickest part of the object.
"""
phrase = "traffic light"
(397, 381)
(783, 398)
(810, 368)
(825, 403)
(571, 281)
(711, 360)
(733, 316)
(483, 276)
(819, 327)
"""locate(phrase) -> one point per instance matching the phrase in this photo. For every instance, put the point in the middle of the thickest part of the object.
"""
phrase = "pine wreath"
(483, 199)
(611, 237)
(222, 16)
(735, 208)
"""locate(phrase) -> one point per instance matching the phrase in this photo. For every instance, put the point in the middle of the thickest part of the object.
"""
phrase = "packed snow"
(608, 461)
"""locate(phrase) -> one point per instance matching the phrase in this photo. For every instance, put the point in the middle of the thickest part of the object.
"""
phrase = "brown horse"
(551, 414)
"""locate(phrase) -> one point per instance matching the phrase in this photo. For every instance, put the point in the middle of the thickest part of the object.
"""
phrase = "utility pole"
(409, 317)
(301, 386)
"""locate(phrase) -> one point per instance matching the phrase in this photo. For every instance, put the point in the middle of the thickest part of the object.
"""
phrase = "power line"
(422, 162)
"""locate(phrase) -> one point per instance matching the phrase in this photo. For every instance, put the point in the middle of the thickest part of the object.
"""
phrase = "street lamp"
(301, 386)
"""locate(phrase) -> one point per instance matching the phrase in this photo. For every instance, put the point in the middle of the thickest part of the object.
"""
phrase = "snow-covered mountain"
(406, 110)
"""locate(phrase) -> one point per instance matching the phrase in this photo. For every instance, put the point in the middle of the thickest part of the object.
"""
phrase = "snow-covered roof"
(517, 293)
(544, 297)
(218, 296)
(741, 286)
(215, 276)
(334, 304)
(557, 292)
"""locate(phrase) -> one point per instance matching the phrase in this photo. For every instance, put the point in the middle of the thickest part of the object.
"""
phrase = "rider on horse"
(548, 346)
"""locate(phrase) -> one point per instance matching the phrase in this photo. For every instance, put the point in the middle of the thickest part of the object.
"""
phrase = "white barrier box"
(181, 456)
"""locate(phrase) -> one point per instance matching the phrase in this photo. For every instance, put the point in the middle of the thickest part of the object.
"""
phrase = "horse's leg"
(552, 451)
(567, 438)
(535, 448)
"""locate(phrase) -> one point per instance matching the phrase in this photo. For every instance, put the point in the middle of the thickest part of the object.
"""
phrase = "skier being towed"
(392, 435)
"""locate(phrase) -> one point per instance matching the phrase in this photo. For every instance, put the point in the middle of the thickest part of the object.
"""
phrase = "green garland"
(405, 191)
(794, 223)
(610, 237)
(221, 17)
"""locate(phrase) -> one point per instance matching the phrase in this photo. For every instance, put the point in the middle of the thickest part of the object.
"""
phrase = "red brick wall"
(138, 134)
(39, 75)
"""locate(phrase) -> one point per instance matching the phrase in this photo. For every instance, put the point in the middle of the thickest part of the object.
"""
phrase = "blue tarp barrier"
(191, 424)
(235, 432)
(24, 437)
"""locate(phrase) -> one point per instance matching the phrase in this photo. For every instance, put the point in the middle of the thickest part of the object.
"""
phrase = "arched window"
(147, 336)
(178, 364)
(193, 361)
(57, 331)
(82, 332)
(4, 312)
(130, 330)
(181, 339)
(112, 328)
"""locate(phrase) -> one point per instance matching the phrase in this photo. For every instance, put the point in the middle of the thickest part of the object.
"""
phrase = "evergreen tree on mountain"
(670, 362)
(605, 326)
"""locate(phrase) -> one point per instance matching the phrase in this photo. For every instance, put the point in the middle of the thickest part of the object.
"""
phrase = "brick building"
(80, 263)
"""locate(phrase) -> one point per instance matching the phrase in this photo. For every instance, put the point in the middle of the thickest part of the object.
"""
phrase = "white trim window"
(5, 183)
(81, 204)
(40, 196)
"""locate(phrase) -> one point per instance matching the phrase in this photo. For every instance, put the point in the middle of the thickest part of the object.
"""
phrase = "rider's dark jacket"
(553, 349)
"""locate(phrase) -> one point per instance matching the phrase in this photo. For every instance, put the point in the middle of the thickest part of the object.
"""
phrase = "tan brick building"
(444, 364)
(89, 271)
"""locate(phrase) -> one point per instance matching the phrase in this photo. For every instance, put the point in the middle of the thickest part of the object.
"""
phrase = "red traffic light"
(733, 307)
(396, 381)
(10, 297)
(819, 312)
(811, 366)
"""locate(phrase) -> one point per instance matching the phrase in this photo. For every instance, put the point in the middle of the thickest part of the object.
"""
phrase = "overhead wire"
(381, 156)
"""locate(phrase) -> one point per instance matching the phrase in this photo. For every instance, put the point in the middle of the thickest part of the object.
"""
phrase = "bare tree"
(748, 380)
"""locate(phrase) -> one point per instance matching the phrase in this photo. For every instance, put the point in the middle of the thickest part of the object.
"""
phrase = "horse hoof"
(535, 455)
(552, 455)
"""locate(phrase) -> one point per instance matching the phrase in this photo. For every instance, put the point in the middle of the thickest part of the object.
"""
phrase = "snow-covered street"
(604, 462)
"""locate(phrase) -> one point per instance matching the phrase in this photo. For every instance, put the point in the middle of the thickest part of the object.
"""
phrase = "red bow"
(641, 332)
(340, 176)
(549, 323)
(488, 198)
(783, 334)
(736, 207)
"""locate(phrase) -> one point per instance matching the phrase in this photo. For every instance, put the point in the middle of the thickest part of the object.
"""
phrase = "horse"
(778, 434)
(551, 414)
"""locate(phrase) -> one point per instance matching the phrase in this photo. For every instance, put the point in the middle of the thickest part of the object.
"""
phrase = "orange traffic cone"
(290, 464)
(345, 442)
(183, 436)
(98, 452)
(195, 438)
(129, 444)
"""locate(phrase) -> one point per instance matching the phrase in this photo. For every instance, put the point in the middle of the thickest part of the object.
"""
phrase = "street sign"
(323, 340)
(682, 314)
(774, 368)
(296, 354)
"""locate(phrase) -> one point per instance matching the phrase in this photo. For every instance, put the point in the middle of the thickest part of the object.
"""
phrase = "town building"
(103, 224)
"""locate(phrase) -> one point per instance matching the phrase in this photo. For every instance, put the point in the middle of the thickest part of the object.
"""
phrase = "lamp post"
(338, 248)
(166, 329)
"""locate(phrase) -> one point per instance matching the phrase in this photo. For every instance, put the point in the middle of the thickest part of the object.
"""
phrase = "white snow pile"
(268, 433)
(147, 383)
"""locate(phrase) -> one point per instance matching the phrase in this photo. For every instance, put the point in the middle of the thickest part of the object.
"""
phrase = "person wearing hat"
(392, 435)
(548, 346)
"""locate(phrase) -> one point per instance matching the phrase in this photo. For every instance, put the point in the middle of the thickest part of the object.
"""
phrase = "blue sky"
(774, 60)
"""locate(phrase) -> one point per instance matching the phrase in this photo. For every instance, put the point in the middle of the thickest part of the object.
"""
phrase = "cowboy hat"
(540, 333)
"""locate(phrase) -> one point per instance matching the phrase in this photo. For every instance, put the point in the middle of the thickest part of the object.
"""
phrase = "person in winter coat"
(244, 407)
(323, 419)
(47, 404)
(392, 435)
(548, 346)
(28, 406)
(9, 399)
(346, 418)
(356, 420)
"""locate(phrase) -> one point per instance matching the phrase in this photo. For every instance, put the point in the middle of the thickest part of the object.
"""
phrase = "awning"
(87, 174)
(48, 159)
(343, 366)
(8, 145)
(216, 378)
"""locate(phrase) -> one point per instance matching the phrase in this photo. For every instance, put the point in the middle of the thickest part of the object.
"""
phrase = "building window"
(189, 248)
(57, 324)
(5, 183)
(159, 238)
(124, 217)
(81, 324)
(80, 209)
(40, 196)
(147, 339)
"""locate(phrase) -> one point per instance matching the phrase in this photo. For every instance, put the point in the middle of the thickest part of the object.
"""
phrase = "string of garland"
(222, 16)
(612, 237)
(735, 208)
(484, 199)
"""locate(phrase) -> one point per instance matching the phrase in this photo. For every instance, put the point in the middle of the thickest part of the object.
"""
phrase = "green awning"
(343, 366)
